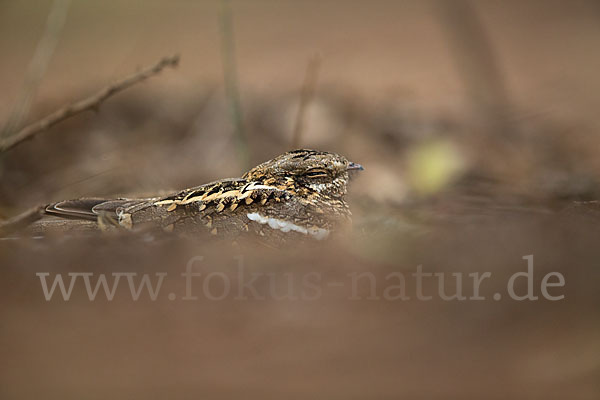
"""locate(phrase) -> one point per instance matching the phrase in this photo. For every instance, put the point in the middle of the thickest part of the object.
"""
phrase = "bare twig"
(477, 64)
(231, 80)
(38, 64)
(90, 103)
(22, 220)
(306, 95)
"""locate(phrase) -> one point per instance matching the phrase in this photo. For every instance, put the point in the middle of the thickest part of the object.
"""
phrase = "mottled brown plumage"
(298, 195)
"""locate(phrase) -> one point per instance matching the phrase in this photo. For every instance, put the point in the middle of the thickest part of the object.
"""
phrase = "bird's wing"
(92, 208)
(197, 193)
(215, 202)
(215, 196)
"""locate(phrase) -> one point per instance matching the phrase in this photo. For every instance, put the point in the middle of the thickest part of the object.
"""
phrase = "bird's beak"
(354, 167)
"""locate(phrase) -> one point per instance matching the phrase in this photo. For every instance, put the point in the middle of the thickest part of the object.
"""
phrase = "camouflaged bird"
(298, 195)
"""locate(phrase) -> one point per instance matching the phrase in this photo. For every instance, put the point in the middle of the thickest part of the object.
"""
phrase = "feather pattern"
(296, 194)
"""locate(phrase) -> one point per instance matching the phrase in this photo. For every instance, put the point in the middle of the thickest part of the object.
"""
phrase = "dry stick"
(306, 95)
(478, 65)
(230, 76)
(39, 64)
(22, 220)
(90, 103)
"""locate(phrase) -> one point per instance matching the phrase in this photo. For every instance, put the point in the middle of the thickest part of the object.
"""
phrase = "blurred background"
(477, 125)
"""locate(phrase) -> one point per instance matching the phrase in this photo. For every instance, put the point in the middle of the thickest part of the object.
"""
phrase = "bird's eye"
(316, 173)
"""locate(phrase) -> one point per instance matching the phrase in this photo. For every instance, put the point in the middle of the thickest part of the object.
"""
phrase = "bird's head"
(306, 172)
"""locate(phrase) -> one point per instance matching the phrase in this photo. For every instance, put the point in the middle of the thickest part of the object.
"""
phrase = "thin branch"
(90, 103)
(22, 220)
(308, 89)
(38, 64)
(231, 81)
(478, 65)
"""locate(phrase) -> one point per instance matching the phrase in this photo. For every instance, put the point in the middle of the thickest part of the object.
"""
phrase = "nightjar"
(295, 196)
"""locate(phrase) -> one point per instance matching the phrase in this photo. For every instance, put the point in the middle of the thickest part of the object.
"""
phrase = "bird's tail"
(68, 214)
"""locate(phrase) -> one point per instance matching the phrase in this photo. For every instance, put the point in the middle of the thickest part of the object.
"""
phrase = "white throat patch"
(286, 226)
(318, 187)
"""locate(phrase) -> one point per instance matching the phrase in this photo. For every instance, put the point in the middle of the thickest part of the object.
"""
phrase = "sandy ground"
(393, 94)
